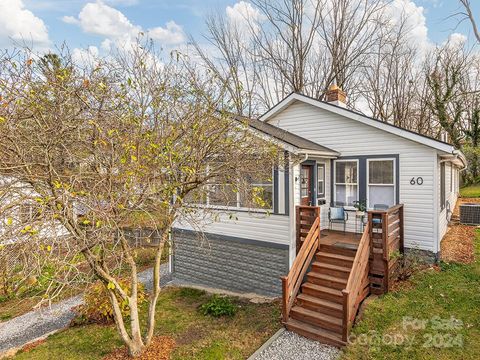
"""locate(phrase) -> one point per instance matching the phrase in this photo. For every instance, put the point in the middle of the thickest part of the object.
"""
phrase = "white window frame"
(324, 165)
(207, 204)
(334, 195)
(389, 185)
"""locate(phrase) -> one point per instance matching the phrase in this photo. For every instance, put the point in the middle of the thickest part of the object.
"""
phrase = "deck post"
(285, 299)
(346, 314)
(317, 211)
(297, 223)
(402, 244)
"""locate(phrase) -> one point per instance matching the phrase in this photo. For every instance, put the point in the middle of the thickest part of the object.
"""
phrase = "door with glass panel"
(306, 182)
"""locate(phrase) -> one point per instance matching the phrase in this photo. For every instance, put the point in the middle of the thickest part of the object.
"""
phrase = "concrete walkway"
(37, 324)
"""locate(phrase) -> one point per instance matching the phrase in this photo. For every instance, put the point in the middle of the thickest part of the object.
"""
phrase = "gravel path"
(290, 346)
(38, 323)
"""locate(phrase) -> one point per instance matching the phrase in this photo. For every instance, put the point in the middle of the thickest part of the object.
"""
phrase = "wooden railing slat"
(307, 249)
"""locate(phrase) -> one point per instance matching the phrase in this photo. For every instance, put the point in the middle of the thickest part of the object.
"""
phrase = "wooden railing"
(374, 261)
(292, 282)
(305, 216)
(386, 233)
(358, 284)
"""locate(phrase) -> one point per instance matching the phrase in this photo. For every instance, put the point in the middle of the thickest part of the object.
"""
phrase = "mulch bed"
(457, 244)
(160, 349)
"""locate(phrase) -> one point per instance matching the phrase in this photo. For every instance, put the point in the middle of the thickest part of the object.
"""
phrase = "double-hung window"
(442, 186)
(346, 182)
(381, 182)
(258, 191)
(321, 181)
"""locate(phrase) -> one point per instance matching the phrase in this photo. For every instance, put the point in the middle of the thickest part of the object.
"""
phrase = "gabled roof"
(407, 134)
(301, 144)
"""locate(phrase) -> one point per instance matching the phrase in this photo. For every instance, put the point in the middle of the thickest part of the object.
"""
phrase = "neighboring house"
(346, 157)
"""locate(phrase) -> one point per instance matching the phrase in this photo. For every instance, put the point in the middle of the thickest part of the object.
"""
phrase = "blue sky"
(170, 21)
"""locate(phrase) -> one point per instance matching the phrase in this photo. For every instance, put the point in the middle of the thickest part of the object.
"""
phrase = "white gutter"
(331, 155)
(456, 155)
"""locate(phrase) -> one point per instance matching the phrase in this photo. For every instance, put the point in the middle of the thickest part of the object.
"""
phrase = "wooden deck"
(339, 238)
(335, 271)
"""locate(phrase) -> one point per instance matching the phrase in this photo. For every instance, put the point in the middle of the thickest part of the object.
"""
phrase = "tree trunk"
(156, 289)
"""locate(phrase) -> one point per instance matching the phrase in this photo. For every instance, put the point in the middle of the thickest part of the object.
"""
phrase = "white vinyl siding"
(451, 195)
(352, 138)
(262, 227)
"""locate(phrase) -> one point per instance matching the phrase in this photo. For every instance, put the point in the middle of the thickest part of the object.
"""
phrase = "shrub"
(98, 308)
(218, 306)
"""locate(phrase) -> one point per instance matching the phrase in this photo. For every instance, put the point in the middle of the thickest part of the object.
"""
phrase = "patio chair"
(337, 215)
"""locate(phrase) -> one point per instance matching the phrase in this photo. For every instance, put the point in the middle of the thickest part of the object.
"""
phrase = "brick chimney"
(336, 96)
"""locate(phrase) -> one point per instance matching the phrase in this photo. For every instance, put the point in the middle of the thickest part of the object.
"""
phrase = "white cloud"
(21, 25)
(171, 34)
(101, 19)
(457, 40)
(416, 22)
(242, 13)
(70, 20)
(85, 56)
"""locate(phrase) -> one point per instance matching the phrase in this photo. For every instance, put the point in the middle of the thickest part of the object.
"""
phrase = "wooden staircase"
(318, 309)
(327, 283)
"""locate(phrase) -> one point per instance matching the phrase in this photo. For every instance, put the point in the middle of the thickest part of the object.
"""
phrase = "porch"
(335, 271)
(340, 239)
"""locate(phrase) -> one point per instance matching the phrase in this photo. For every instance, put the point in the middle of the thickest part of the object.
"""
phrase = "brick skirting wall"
(229, 263)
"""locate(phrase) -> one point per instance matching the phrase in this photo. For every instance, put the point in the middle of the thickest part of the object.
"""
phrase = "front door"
(306, 182)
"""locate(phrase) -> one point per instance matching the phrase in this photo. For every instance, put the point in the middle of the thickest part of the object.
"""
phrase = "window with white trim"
(321, 181)
(442, 186)
(380, 182)
(253, 191)
(346, 182)
(451, 178)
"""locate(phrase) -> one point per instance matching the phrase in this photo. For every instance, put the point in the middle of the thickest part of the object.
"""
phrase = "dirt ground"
(457, 244)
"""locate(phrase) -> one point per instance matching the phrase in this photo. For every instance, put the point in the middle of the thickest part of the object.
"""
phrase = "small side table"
(360, 215)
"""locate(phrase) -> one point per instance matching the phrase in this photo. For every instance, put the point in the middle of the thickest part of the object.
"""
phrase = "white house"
(347, 157)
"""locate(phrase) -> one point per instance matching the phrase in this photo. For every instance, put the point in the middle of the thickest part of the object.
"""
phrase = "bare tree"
(89, 148)
(469, 15)
(349, 30)
(390, 78)
(234, 65)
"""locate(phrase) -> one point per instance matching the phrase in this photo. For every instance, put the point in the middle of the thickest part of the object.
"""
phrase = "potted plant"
(361, 206)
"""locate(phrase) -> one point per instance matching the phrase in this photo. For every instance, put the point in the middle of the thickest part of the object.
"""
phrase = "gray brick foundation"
(229, 263)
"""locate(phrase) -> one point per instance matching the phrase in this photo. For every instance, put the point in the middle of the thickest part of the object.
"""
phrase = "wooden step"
(333, 249)
(326, 280)
(323, 292)
(315, 333)
(320, 305)
(324, 321)
(334, 259)
(330, 269)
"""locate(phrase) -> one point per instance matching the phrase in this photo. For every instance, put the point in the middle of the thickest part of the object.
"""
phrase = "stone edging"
(266, 344)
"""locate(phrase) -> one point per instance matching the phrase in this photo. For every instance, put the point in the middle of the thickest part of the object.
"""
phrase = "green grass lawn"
(471, 191)
(452, 292)
(197, 336)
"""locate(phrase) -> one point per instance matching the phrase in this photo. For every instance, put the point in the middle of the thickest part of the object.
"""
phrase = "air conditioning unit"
(470, 213)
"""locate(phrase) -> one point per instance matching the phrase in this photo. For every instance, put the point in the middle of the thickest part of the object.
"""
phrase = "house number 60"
(418, 181)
